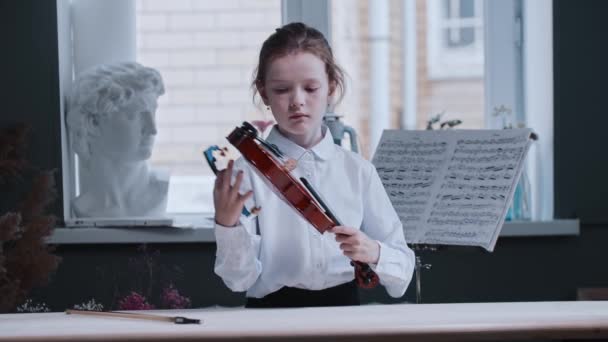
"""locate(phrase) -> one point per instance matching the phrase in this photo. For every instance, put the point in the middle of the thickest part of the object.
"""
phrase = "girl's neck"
(306, 141)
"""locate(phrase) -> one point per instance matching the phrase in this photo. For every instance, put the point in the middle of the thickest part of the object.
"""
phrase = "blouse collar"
(322, 150)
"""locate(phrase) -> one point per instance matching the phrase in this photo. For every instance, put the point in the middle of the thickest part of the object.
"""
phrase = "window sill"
(83, 235)
(557, 227)
(204, 233)
(183, 232)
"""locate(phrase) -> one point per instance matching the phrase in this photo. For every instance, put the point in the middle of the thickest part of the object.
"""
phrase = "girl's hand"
(226, 198)
(356, 245)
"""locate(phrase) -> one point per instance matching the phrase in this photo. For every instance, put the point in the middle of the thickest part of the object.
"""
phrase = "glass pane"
(458, 8)
(459, 37)
(467, 8)
(206, 52)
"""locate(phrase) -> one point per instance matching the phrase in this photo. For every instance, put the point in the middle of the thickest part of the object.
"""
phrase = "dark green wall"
(520, 269)
(581, 114)
(29, 79)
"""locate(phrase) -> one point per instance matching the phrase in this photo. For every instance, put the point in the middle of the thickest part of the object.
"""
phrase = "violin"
(269, 161)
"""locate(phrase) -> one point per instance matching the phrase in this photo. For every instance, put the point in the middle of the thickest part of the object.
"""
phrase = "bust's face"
(127, 135)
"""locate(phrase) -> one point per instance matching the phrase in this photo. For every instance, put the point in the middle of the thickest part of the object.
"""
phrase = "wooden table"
(411, 322)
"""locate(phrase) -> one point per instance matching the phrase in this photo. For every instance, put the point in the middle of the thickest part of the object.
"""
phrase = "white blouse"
(280, 248)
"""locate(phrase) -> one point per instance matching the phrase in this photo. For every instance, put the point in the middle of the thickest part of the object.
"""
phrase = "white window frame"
(447, 63)
(84, 40)
(519, 75)
(538, 84)
(64, 33)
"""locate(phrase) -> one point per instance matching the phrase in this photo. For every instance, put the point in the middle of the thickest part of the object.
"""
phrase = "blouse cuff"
(230, 236)
(386, 261)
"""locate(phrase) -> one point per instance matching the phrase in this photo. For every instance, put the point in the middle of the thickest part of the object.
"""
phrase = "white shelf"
(131, 235)
(204, 233)
(541, 228)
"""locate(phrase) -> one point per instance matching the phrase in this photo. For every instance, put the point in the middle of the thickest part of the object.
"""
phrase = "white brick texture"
(166, 6)
(205, 50)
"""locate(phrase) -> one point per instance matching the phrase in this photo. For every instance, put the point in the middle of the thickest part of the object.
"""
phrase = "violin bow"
(174, 319)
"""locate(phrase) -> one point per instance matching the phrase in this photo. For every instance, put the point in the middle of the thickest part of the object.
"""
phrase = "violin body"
(301, 198)
(288, 187)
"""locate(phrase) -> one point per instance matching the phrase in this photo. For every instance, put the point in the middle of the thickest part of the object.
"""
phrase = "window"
(455, 38)
(457, 57)
(408, 62)
(481, 48)
(205, 51)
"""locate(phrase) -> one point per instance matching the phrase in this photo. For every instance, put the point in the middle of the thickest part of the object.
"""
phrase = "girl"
(278, 257)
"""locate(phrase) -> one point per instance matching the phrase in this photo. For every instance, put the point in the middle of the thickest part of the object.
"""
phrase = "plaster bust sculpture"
(111, 124)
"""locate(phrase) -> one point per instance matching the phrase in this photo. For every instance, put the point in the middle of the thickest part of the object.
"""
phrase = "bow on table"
(133, 315)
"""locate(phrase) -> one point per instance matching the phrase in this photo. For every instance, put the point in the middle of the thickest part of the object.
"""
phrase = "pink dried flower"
(134, 301)
(171, 299)
(261, 125)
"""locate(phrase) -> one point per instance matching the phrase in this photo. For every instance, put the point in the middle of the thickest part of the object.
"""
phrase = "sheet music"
(452, 187)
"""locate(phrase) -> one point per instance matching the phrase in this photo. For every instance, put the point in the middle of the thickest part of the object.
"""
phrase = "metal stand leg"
(418, 269)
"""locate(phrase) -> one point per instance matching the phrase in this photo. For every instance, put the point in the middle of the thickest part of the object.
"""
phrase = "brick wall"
(460, 98)
(206, 52)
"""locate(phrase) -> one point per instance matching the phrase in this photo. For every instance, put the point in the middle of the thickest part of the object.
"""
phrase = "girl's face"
(297, 91)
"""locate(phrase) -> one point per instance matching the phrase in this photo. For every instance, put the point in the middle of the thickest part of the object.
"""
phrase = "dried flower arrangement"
(26, 261)
(30, 307)
(262, 125)
(146, 283)
(91, 305)
(505, 113)
(443, 125)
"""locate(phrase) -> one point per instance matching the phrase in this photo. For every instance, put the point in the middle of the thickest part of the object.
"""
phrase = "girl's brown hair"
(293, 38)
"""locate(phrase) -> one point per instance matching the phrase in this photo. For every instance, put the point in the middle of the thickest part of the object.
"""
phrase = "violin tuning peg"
(256, 210)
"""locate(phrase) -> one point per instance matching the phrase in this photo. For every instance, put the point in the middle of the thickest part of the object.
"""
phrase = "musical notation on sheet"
(454, 186)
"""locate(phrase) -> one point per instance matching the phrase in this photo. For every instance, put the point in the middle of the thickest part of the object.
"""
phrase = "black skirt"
(291, 297)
